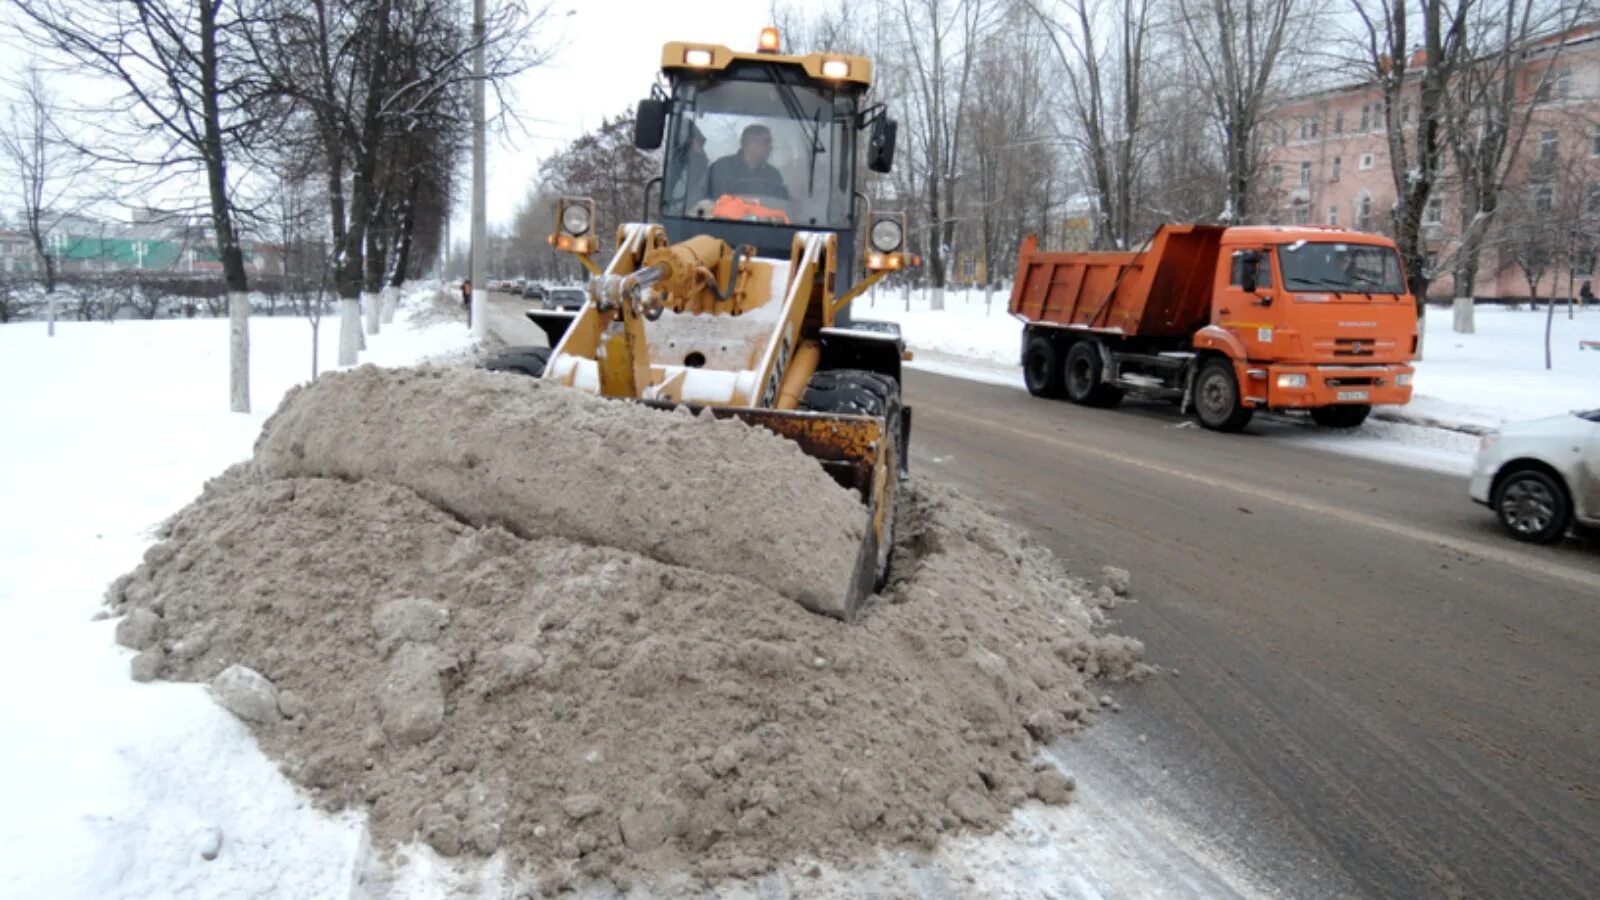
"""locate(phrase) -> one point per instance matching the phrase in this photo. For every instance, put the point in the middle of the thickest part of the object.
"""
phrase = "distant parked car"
(566, 298)
(535, 292)
(1541, 477)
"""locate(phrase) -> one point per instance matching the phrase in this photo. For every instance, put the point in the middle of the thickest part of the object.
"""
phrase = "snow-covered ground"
(115, 789)
(1466, 383)
(112, 788)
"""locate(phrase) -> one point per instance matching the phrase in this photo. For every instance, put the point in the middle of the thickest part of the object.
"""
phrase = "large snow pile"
(595, 711)
(545, 461)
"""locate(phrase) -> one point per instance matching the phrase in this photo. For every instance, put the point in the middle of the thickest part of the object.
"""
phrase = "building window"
(1564, 83)
(1433, 213)
(1594, 148)
(1302, 213)
(1277, 175)
(1308, 128)
(1338, 121)
(1591, 200)
(1333, 172)
(1430, 263)
(1366, 161)
(1544, 199)
(1333, 215)
(1364, 213)
(1305, 174)
(1547, 146)
(1366, 114)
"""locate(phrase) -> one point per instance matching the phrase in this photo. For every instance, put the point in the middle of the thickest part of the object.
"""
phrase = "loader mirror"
(649, 123)
(880, 146)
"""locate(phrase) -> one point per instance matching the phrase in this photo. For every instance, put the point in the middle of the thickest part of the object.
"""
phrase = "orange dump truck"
(1224, 320)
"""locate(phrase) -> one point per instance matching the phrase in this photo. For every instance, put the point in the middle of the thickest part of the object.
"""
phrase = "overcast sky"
(607, 55)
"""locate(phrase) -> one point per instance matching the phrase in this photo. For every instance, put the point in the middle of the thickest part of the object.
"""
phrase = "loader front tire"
(856, 392)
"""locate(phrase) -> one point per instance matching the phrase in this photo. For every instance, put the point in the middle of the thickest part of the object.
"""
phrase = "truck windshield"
(763, 151)
(1346, 268)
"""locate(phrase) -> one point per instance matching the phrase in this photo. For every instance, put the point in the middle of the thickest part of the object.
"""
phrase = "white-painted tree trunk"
(907, 290)
(239, 351)
(1464, 321)
(1422, 332)
(369, 305)
(988, 299)
(391, 304)
(50, 305)
(349, 331)
(937, 303)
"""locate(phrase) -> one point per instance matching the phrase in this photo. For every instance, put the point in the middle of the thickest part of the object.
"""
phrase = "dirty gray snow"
(424, 616)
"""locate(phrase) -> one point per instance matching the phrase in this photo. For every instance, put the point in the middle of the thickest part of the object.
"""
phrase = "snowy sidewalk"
(113, 788)
(1467, 384)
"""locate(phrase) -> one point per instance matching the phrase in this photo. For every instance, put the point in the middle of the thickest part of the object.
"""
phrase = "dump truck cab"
(1223, 320)
(1313, 317)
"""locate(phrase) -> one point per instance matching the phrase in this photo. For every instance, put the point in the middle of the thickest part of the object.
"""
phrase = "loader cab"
(757, 147)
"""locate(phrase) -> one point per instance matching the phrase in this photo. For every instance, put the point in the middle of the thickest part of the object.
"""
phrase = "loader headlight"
(697, 57)
(835, 68)
(1403, 379)
(575, 219)
(887, 236)
(1294, 380)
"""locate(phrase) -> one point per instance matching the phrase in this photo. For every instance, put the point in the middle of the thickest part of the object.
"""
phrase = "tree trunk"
(1549, 319)
(349, 330)
(239, 350)
(50, 307)
(1462, 319)
(228, 249)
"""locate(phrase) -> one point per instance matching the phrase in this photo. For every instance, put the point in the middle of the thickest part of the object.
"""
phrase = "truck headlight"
(1294, 380)
(887, 235)
(1403, 379)
(575, 219)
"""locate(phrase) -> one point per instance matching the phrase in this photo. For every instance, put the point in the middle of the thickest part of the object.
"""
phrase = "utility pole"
(480, 216)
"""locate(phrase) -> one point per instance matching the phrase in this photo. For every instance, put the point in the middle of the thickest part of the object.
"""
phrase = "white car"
(1541, 477)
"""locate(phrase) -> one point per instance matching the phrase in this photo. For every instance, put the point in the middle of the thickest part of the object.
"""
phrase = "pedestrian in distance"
(466, 298)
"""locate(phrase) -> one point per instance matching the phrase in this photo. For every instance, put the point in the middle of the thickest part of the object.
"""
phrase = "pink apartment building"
(1328, 163)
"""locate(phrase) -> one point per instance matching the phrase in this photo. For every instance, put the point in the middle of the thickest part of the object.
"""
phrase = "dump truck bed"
(1162, 291)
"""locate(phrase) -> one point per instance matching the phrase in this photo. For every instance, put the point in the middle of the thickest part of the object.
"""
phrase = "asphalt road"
(1371, 680)
(1370, 690)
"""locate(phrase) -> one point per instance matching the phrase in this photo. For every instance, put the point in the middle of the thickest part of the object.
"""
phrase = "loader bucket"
(853, 450)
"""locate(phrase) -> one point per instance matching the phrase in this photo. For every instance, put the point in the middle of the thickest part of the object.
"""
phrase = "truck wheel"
(1041, 368)
(1533, 505)
(1082, 375)
(522, 360)
(855, 392)
(1216, 397)
(1340, 416)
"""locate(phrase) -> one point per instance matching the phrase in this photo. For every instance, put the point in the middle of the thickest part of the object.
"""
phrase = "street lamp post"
(480, 218)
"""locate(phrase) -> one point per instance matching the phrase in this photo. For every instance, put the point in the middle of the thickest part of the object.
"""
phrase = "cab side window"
(1263, 271)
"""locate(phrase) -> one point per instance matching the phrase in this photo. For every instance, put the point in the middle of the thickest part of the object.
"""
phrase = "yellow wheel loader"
(734, 295)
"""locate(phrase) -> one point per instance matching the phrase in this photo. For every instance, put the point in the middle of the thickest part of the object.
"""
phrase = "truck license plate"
(1352, 395)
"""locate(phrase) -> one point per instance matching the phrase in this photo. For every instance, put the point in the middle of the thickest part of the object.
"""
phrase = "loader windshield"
(1345, 268)
(762, 149)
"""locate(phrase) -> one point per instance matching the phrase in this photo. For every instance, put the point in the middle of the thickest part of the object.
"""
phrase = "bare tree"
(1416, 154)
(187, 103)
(1105, 88)
(941, 41)
(1489, 115)
(43, 168)
(1239, 45)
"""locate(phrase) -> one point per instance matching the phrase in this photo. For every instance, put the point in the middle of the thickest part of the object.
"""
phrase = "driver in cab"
(747, 172)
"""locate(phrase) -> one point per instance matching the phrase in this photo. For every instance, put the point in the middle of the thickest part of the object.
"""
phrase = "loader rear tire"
(856, 392)
(1041, 369)
(529, 361)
